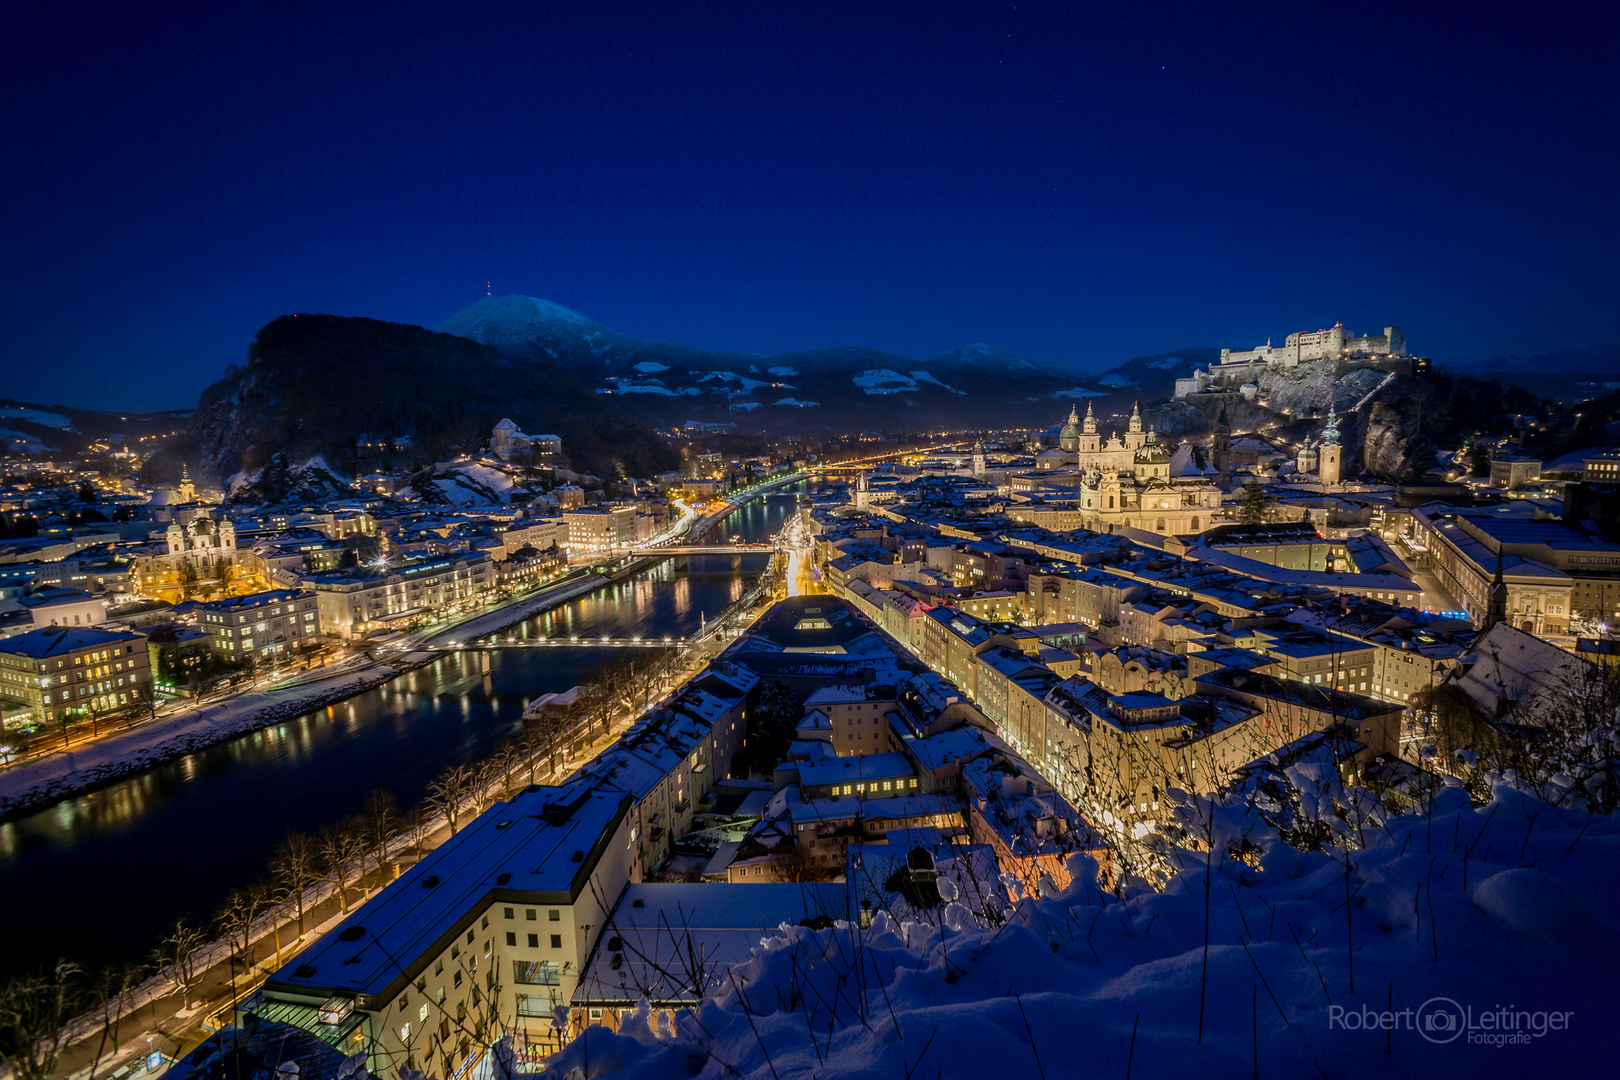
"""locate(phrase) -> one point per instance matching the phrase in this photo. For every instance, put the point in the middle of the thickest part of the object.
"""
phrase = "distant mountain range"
(840, 389)
(1571, 374)
(324, 386)
(30, 428)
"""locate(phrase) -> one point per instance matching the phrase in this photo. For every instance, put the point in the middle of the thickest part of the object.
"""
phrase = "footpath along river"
(101, 877)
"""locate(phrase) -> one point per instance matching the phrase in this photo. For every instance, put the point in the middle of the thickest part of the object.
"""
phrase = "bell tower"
(1328, 455)
(1223, 448)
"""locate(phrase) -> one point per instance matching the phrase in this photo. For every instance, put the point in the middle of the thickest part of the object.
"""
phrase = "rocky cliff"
(322, 386)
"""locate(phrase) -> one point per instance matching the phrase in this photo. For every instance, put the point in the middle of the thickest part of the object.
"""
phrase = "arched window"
(1110, 502)
(1160, 526)
(1195, 523)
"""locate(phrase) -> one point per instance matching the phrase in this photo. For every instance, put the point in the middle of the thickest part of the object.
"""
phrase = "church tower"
(1090, 427)
(1497, 610)
(1223, 448)
(863, 492)
(978, 458)
(1329, 454)
(185, 491)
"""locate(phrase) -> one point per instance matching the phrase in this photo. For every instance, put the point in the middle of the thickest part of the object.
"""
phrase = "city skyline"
(808, 540)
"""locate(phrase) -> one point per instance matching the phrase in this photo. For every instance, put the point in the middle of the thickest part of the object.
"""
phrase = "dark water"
(102, 877)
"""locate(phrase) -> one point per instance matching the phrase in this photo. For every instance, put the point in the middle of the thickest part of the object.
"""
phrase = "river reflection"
(101, 877)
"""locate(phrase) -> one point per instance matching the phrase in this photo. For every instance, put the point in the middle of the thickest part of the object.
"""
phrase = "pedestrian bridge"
(556, 643)
(707, 549)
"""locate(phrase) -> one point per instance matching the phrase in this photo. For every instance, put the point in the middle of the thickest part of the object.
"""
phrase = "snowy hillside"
(1448, 942)
(527, 322)
(44, 417)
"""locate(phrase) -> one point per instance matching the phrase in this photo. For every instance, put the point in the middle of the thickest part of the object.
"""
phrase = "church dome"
(1071, 429)
(1153, 454)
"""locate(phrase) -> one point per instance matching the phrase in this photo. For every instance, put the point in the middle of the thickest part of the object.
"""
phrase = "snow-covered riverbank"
(31, 785)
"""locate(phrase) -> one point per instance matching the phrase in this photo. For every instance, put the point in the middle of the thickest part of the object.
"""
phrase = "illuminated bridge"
(707, 549)
(555, 643)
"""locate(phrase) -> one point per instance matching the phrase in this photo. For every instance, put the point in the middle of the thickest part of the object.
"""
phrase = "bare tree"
(415, 828)
(236, 917)
(486, 784)
(510, 757)
(447, 792)
(107, 996)
(179, 960)
(536, 740)
(596, 706)
(277, 899)
(33, 1012)
(187, 575)
(296, 866)
(343, 852)
(379, 824)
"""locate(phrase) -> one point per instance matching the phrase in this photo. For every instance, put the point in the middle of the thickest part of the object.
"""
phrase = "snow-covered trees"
(1496, 907)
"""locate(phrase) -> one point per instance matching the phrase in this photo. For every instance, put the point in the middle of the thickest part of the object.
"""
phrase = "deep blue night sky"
(1077, 184)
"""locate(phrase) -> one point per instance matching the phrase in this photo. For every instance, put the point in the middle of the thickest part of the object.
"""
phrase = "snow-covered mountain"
(1151, 377)
(848, 387)
(531, 325)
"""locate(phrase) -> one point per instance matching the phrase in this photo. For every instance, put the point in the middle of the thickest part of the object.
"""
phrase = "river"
(102, 877)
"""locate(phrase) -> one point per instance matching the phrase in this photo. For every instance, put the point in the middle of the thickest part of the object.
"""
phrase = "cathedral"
(1124, 479)
(1080, 446)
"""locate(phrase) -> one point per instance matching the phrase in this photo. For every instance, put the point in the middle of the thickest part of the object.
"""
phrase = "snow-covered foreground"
(1454, 915)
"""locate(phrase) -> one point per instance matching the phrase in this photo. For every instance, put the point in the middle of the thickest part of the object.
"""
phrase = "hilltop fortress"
(1334, 344)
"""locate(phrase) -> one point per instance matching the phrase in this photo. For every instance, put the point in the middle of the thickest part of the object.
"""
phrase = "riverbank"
(241, 797)
(32, 785)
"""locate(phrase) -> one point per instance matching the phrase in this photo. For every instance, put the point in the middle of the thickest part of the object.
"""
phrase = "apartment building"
(1093, 597)
(60, 673)
(260, 626)
(540, 534)
(857, 717)
(1319, 658)
(591, 531)
(486, 934)
(355, 601)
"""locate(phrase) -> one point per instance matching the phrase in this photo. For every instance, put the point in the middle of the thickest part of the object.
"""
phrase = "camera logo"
(1440, 1020)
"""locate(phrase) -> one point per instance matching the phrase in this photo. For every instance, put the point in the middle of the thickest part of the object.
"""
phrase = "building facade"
(354, 602)
(63, 673)
(261, 626)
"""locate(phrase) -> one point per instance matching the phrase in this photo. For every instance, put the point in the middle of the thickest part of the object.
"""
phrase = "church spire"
(1136, 417)
(1074, 413)
(1497, 611)
(1330, 435)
